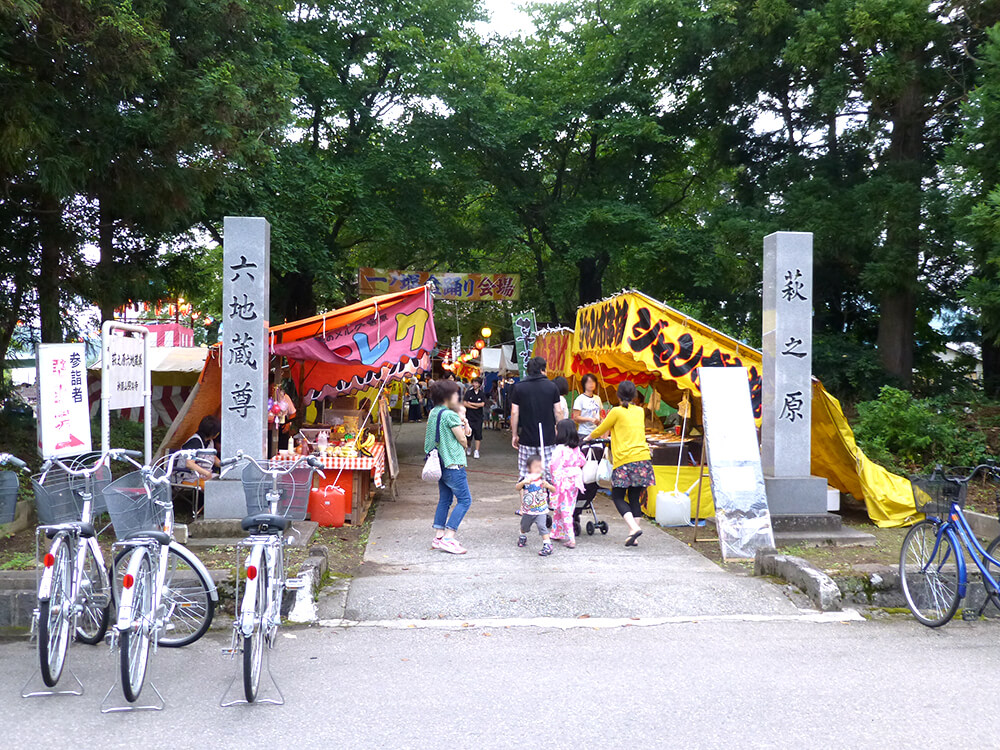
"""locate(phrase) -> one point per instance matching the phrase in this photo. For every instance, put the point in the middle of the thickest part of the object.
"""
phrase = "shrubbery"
(907, 434)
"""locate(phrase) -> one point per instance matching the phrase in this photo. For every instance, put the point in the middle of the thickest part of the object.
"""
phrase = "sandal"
(631, 541)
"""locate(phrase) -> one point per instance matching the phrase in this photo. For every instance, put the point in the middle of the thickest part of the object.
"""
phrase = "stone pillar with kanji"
(786, 428)
(245, 300)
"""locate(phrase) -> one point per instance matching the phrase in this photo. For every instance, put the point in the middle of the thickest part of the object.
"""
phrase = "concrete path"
(403, 578)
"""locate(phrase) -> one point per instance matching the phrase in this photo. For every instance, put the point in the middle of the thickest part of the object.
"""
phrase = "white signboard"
(123, 356)
(63, 411)
(742, 516)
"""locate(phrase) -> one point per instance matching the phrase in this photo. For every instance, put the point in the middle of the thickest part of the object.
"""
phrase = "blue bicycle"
(932, 562)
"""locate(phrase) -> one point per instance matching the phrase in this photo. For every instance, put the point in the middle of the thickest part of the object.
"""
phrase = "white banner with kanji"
(63, 413)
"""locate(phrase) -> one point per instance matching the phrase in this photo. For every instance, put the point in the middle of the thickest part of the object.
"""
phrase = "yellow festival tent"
(633, 337)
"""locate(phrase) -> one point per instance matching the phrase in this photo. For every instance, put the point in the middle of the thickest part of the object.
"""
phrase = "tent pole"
(701, 480)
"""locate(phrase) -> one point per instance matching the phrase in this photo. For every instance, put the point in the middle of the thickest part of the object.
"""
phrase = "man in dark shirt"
(533, 406)
(475, 411)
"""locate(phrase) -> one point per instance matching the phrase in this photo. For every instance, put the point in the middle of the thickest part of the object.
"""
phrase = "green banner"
(524, 337)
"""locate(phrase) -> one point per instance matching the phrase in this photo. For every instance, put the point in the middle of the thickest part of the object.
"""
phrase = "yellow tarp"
(687, 481)
(634, 337)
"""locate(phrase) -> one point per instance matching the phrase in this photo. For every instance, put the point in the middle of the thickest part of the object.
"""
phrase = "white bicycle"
(276, 494)
(167, 595)
(74, 590)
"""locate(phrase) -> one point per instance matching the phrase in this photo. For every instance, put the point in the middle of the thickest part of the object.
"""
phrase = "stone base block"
(791, 495)
(224, 498)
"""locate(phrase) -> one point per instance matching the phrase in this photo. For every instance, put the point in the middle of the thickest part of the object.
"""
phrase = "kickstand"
(266, 690)
(35, 686)
(115, 702)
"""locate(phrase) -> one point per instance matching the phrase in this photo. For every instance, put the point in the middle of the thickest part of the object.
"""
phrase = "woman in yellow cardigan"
(633, 467)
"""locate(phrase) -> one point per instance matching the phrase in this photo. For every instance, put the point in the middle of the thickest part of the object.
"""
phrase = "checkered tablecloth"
(374, 463)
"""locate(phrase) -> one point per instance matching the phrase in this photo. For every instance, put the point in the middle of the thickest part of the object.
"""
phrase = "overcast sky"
(506, 18)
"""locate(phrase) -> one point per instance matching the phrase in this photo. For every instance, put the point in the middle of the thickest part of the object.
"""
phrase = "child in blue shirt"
(535, 504)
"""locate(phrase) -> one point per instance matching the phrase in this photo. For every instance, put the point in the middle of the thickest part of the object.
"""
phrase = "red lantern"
(480, 343)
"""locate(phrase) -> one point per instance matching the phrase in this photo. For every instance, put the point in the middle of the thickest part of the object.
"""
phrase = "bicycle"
(167, 596)
(275, 496)
(74, 590)
(9, 486)
(932, 560)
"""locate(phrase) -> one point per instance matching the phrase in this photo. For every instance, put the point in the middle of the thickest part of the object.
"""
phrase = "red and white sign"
(63, 413)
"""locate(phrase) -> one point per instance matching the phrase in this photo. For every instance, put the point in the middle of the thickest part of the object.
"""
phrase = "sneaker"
(436, 544)
(522, 540)
(452, 546)
(546, 550)
(475, 454)
(468, 451)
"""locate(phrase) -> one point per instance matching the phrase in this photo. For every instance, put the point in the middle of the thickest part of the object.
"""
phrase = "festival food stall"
(341, 363)
(336, 357)
(631, 336)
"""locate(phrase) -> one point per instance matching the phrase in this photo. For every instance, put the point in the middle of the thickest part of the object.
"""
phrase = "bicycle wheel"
(53, 615)
(133, 642)
(992, 551)
(187, 601)
(186, 598)
(253, 646)
(95, 598)
(928, 572)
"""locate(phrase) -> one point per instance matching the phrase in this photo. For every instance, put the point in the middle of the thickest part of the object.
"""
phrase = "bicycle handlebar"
(115, 453)
(7, 458)
(311, 461)
(990, 469)
(186, 455)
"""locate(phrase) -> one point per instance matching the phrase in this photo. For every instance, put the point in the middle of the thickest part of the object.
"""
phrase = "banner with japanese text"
(524, 337)
(348, 350)
(471, 287)
(633, 337)
(63, 411)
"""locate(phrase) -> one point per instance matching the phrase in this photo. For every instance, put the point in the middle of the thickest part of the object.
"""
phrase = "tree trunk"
(9, 325)
(900, 261)
(299, 297)
(52, 240)
(590, 280)
(106, 263)
(543, 286)
(991, 367)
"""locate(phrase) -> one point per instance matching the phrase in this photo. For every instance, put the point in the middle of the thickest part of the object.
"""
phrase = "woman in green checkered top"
(449, 431)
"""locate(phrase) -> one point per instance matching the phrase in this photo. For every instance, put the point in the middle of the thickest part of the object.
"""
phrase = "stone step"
(213, 532)
(843, 537)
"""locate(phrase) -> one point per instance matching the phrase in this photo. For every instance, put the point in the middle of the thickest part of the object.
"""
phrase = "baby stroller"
(584, 505)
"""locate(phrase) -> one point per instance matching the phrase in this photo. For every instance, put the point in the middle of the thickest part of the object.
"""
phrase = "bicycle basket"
(934, 494)
(293, 490)
(101, 479)
(8, 496)
(131, 509)
(58, 498)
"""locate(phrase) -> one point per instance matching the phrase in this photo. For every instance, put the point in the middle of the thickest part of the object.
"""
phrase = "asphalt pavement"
(724, 685)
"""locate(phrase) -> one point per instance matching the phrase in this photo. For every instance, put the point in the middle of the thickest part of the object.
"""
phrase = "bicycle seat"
(265, 523)
(160, 537)
(86, 530)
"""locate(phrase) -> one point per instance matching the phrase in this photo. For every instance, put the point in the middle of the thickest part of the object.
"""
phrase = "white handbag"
(590, 468)
(432, 464)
